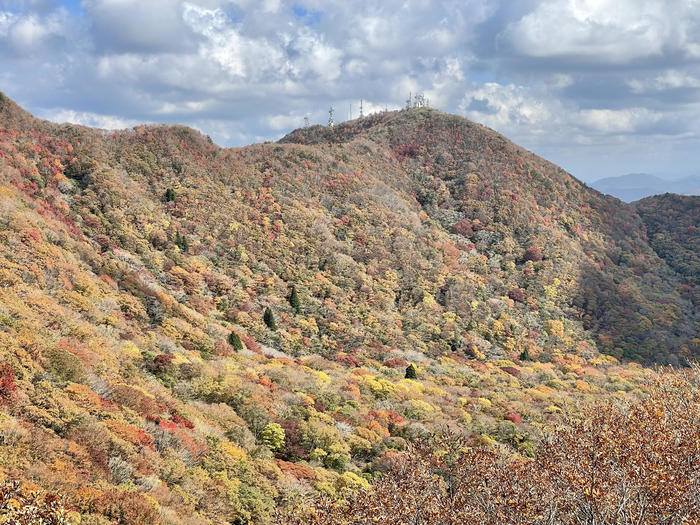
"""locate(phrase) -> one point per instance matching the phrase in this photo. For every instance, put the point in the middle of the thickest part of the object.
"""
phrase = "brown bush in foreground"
(621, 464)
(21, 506)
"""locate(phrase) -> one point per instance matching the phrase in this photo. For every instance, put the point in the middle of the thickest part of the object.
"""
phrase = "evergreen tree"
(294, 299)
(411, 372)
(269, 319)
(235, 341)
(525, 355)
(169, 195)
(181, 242)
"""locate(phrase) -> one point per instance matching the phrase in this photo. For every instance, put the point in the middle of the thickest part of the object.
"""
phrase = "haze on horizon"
(600, 87)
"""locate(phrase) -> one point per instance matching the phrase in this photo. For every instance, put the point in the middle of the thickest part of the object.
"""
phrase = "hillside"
(672, 223)
(192, 334)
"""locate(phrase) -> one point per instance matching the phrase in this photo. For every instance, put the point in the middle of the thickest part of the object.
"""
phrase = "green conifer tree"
(269, 319)
(235, 341)
(525, 355)
(411, 372)
(294, 299)
(169, 195)
(181, 242)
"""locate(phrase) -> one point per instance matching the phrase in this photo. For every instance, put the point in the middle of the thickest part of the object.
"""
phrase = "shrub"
(533, 253)
(513, 417)
(511, 370)
(517, 295)
(7, 383)
(121, 470)
(272, 436)
(464, 227)
(65, 366)
(635, 461)
(395, 362)
(162, 363)
(25, 507)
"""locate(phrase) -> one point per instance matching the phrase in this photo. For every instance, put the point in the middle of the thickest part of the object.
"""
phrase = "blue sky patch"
(309, 17)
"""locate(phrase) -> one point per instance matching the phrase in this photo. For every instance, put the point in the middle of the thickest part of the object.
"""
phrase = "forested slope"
(191, 334)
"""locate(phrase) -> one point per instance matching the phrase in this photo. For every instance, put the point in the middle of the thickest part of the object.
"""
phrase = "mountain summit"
(204, 330)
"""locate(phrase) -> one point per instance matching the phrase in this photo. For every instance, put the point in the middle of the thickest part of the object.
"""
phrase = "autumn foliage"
(419, 272)
(623, 463)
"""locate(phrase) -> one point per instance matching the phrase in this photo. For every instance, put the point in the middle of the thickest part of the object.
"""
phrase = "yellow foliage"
(418, 409)
(381, 388)
(583, 386)
(351, 481)
(486, 440)
(322, 379)
(233, 451)
(131, 350)
(554, 327)
(483, 402)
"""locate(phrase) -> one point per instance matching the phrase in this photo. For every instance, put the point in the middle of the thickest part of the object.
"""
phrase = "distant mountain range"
(635, 186)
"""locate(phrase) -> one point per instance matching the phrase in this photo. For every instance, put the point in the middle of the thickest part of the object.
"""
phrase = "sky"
(601, 87)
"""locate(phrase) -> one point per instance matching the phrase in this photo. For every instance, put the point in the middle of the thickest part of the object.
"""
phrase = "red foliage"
(31, 234)
(181, 421)
(396, 362)
(7, 383)
(267, 383)
(130, 433)
(103, 241)
(251, 345)
(347, 359)
(464, 227)
(517, 295)
(162, 423)
(127, 508)
(533, 253)
(515, 418)
(511, 370)
(407, 150)
(296, 470)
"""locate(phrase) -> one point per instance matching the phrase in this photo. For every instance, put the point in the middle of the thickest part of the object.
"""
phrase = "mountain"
(672, 223)
(635, 186)
(191, 334)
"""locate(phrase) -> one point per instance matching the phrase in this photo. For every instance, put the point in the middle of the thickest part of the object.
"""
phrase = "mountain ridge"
(142, 377)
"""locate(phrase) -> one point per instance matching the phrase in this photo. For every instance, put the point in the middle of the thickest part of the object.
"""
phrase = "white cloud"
(314, 56)
(536, 115)
(29, 34)
(86, 118)
(611, 121)
(568, 73)
(605, 31)
(284, 122)
(671, 79)
(511, 108)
